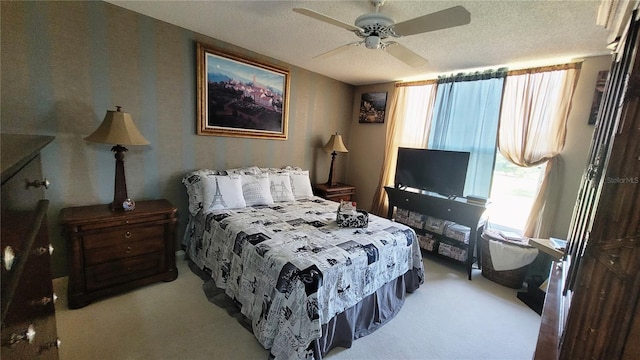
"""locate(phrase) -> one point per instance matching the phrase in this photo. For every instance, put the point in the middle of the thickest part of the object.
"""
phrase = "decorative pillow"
(222, 192)
(300, 184)
(281, 187)
(291, 168)
(193, 182)
(256, 189)
(251, 170)
(271, 170)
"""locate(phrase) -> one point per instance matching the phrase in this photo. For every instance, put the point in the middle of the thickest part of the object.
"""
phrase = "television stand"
(458, 210)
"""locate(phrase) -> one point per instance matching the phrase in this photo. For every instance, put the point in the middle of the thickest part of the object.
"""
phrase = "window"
(513, 192)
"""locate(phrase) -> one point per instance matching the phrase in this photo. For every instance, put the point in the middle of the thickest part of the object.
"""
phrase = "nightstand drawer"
(122, 235)
(123, 222)
(124, 249)
(121, 271)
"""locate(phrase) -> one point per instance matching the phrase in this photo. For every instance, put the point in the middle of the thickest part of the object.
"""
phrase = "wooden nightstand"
(115, 251)
(336, 193)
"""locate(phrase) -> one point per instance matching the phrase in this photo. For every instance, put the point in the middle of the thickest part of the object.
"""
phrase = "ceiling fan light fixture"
(372, 42)
(374, 28)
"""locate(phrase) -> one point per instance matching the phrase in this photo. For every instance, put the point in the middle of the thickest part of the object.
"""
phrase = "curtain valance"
(484, 75)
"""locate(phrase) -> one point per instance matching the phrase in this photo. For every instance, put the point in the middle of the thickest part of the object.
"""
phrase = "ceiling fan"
(375, 28)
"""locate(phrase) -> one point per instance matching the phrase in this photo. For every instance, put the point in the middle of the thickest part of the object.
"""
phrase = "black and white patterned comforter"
(291, 268)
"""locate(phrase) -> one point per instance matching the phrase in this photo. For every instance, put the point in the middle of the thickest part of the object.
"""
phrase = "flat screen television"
(439, 171)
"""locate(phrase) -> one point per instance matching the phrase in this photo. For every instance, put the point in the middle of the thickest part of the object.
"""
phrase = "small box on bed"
(349, 216)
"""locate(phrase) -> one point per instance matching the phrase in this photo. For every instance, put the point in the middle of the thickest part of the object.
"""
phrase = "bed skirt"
(362, 319)
(367, 316)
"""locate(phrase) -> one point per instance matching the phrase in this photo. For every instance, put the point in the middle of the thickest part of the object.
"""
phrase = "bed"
(305, 284)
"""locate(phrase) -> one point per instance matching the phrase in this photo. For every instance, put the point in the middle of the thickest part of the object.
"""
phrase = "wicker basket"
(509, 278)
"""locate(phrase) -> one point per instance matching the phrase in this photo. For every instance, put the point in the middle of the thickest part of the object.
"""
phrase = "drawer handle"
(127, 234)
(28, 335)
(128, 249)
(37, 183)
(613, 258)
(8, 257)
(45, 300)
(49, 345)
(43, 250)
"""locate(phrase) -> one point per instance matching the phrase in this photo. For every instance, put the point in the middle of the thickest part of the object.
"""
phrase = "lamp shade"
(335, 144)
(117, 128)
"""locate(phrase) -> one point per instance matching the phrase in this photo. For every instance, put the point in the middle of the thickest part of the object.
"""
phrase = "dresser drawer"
(125, 270)
(106, 224)
(121, 235)
(123, 243)
(123, 250)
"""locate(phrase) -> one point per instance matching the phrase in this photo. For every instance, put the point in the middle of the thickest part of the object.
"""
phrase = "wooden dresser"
(115, 251)
(28, 312)
(592, 309)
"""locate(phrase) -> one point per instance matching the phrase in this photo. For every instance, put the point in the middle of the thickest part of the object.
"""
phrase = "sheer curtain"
(533, 127)
(408, 126)
(465, 118)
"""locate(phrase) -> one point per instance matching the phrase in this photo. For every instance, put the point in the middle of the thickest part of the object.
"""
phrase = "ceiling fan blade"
(327, 19)
(405, 55)
(338, 50)
(447, 18)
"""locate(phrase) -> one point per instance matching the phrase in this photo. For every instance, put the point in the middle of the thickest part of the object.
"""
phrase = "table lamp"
(334, 146)
(118, 129)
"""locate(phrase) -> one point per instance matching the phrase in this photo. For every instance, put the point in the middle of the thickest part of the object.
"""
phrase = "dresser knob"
(28, 335)
(613, 258)
(8, 257)
(37, 183)
(128, 249)
(43, 250)
(127, 234)
(45, 300)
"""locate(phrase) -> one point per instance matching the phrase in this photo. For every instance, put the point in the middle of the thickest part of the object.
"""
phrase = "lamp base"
(120, 182)
(330, 181)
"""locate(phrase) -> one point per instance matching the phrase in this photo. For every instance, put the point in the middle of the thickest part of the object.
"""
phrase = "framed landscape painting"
(240, 97)
(372, 107)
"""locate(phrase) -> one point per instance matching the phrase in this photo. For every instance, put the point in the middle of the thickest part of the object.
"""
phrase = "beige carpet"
(449, 317)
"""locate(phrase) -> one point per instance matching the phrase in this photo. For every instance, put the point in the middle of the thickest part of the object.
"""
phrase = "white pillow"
(222, 192)
(300, 184)
(281, 187)
(193, 182)
(270, 170)
(256, 189)
(251, 170)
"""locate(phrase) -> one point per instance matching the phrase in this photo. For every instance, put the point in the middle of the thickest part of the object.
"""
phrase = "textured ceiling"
(501, 33)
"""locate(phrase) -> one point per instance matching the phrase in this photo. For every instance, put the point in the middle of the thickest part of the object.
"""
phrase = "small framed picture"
(373, 108)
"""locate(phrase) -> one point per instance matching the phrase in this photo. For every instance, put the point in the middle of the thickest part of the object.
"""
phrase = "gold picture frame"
(240, 97)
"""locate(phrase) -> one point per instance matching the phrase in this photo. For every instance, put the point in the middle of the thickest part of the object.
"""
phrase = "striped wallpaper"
(63, 64)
